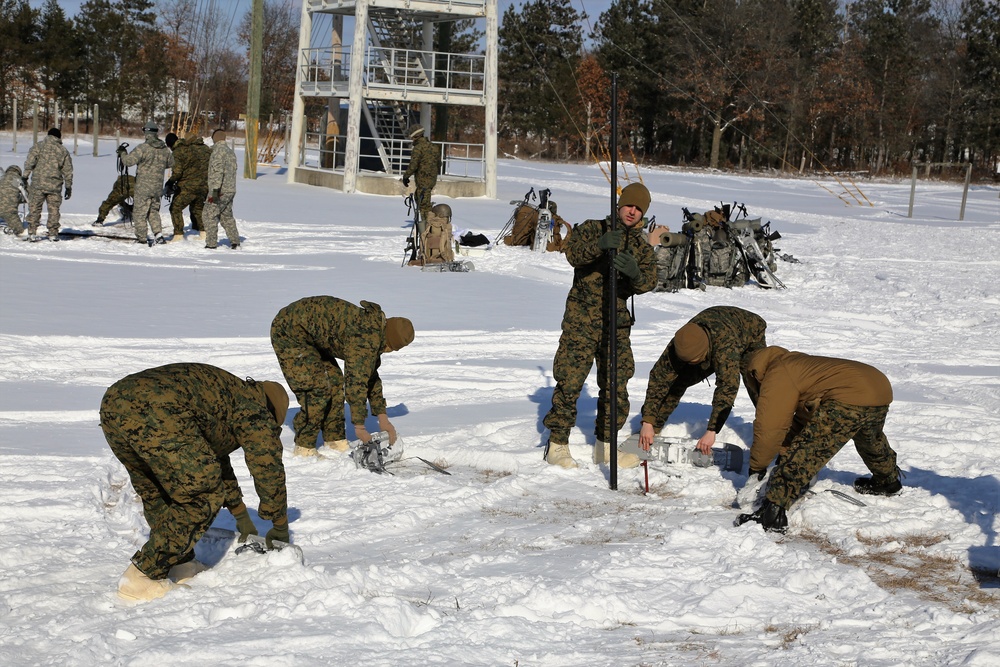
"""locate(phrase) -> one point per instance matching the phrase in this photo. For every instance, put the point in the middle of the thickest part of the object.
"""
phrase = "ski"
(71, 234)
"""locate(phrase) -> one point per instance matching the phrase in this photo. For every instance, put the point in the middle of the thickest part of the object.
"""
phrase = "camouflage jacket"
(49, 165)
(151, 159)
(591, 267)
(10, 191)
(341, 330)
(792, 385)
(222, 169)
(733, 333)
(230, 413)
(191, 158)
(425, 162)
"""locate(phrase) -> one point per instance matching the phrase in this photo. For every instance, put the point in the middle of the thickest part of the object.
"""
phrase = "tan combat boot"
(335, 448)
(304, 451)
(134, 585)
(186, 571)
(558, 454)
(602, 454)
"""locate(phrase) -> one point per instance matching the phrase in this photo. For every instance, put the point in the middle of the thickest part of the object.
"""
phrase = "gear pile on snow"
(714, 249)
(537, 227)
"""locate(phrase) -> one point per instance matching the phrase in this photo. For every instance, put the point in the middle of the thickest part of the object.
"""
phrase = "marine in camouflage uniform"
(123, 189)
(221, 193)
(173, 428)
(717, 340)
(585, 320)
(10, 199)
(308, 337)
(51, 168)
(151, 159)
(191, 157)
(425, 164)
(807, 409)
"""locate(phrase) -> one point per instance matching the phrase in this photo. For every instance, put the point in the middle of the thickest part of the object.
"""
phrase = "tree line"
(871, 85)
(875, 85)
(182, 60)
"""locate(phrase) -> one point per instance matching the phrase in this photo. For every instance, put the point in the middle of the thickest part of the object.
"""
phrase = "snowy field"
(510, 561)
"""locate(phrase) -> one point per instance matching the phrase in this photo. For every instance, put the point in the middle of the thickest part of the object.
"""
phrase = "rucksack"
(671, 252)
(525, 224)
(437, 240)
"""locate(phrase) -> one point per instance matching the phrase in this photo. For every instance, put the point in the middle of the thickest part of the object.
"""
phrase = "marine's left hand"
(626, 264)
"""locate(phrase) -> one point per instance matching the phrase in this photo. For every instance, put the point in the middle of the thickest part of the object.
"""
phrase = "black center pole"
(612, 394)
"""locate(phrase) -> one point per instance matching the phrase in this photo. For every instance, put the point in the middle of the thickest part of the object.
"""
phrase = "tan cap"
(277, 397)
(691, 343)
(398, 333)
(415, 131)
(635, 194)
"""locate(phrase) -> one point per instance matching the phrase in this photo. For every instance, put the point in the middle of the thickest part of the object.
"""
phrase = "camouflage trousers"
(12, 219)
(583, 341)
(316, 381)
(220, 211)
(146, 211)
(194, 202)
(52, 200)
(422, 198)
(832, 424)
(173, 470)
(119, 193)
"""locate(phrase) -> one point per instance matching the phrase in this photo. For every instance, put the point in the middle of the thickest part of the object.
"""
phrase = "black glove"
(406, 181)
(759, 474)
(121, 150)
(213, 195)
(69, 192)
(279, 532)
(244, 524)
(627, 265)
(610, 240)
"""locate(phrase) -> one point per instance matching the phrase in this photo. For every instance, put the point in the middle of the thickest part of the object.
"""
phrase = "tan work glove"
(385, 425)
(362, 433)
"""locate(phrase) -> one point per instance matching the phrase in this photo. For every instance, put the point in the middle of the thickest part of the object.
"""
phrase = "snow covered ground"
(510, 561)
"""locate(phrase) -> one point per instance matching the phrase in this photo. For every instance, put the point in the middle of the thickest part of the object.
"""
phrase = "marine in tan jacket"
(808, 407)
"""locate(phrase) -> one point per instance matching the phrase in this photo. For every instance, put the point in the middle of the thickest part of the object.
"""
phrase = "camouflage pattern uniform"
(190, 172)
(807, 410)
(425, 164)
(50, 167)
(733, 333)
(173, 428)
(221, 177)
(123, 189)
(10, 199)
(151, 160)
(584, 327)
(308, 336)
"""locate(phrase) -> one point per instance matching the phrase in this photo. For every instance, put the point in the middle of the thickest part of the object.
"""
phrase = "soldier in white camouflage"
(719, 341)
(308, 337)
(50, 168)
(174, 428)
(11, 199)
(151, 160)
(221, 193)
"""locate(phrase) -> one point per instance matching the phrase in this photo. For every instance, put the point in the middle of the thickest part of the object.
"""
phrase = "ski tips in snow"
(729, 457)
(448, 267)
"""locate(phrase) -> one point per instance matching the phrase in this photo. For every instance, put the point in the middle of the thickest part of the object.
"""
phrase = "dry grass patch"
(897, 563)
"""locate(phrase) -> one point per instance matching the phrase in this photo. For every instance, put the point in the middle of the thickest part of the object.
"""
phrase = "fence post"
(34, 125)
(965, 192)
(14, 149)
(95, 129)
(76, 125)
(913, 191)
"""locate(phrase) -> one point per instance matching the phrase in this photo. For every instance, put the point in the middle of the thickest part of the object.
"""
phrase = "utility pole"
(253, 90)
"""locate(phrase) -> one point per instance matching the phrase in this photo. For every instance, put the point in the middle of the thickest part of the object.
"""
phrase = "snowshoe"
(677, 451)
